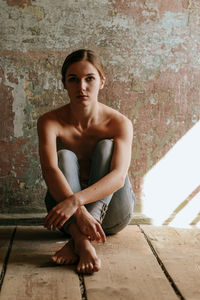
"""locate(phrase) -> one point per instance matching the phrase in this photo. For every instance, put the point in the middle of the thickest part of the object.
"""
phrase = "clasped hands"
(89, 226)
(84, 220)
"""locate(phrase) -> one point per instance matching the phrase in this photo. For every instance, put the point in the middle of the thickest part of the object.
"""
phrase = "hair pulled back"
(79, 55)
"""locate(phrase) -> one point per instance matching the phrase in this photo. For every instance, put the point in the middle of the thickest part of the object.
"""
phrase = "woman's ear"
(102, 83)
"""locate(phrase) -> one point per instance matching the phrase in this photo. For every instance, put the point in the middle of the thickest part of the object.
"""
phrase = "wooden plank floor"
(139, 263)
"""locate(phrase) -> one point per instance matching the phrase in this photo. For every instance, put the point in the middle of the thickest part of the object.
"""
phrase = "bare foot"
(89, 261)
(65, 255)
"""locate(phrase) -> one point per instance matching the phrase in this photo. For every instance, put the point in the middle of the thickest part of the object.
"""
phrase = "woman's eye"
(90, 78)
(72, 79)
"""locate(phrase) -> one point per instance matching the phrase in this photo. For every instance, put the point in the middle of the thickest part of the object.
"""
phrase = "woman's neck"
(85, 115)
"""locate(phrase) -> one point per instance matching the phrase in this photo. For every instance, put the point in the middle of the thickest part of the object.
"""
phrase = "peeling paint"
(19, 3)
(19, 102)
(173, 21)
(35, 11)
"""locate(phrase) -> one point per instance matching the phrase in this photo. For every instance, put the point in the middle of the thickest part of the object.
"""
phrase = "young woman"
(85, 152)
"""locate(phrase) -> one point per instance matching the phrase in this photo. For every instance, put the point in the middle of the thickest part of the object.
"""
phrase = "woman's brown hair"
(79, 55)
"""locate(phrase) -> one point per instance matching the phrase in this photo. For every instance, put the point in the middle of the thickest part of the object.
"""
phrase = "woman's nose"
(82, 85)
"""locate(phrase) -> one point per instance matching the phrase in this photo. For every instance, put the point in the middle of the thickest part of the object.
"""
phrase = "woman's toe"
(90, 268)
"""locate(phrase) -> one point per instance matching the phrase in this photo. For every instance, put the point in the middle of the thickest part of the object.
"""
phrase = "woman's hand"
(61, 213)
(89, 226)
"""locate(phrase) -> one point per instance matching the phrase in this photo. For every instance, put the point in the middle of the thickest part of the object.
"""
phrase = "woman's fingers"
(61, 222)
(92, 233)
(101, 233)
(54, 219)
(57, 221)
(97, 233)
(98, 237)
(50, 218)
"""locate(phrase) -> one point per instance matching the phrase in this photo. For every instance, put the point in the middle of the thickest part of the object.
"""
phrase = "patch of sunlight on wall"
(188, 214)
(171, 189)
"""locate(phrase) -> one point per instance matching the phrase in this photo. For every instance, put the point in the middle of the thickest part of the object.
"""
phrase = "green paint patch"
(172, 21)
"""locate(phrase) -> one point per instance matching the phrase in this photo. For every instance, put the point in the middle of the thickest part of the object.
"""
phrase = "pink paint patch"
(20, 3)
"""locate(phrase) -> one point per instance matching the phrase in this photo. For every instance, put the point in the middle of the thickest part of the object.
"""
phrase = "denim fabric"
(115, 211)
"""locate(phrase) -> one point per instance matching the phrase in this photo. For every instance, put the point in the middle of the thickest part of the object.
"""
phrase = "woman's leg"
(68, 164)
(120, 209)
(79, 247)
(99, 168)
(115, 211)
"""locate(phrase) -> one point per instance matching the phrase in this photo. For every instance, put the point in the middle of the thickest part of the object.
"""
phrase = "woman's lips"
(82, 97)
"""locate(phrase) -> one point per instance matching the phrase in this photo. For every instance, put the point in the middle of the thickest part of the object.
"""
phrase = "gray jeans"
(113, 212)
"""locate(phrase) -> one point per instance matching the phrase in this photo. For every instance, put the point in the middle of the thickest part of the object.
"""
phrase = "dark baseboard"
(38, 219)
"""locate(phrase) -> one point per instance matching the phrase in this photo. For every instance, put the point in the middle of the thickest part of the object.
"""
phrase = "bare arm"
(58, 185)
(47, 133)
(119, 167)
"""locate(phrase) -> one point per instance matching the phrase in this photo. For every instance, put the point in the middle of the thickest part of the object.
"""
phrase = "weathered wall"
(150, 50)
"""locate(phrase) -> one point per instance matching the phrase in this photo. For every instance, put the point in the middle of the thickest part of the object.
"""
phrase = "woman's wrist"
(79, 198)
(74, 199)
(80, 210)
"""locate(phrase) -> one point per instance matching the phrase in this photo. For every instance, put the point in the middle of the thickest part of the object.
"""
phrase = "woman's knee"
(104, 148)
(64, 155)
(69, 165)
(118, 227)
(66, 158)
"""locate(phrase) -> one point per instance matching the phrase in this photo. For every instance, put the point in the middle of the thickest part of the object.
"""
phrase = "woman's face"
(83, 82)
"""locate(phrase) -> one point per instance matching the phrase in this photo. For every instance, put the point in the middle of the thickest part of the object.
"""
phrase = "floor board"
(139, 263)
(29, 273)
(179, 250)
(129, 270)
(5, 238)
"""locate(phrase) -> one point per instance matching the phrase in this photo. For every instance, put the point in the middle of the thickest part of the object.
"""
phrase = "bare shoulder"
(51, 120)
(118, 122)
